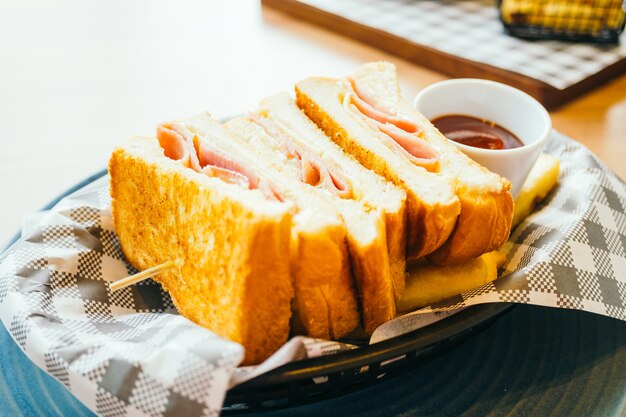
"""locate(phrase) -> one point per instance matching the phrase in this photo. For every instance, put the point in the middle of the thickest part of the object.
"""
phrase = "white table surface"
(78, 77)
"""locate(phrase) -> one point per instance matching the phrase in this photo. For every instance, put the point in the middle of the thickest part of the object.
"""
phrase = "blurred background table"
(76, 78)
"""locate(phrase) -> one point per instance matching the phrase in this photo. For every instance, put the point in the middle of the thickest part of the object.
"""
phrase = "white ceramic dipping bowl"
(507, 106)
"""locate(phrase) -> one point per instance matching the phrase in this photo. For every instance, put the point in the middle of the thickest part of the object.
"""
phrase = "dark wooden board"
(451, 65)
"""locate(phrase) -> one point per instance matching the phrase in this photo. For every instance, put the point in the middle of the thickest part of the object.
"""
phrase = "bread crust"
(324, 288)
(224, 247)
(370, 263)
(395, 236)
(483, 226)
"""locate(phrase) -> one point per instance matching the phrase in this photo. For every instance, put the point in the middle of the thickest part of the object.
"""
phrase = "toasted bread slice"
(432, 205)
(325, 296)
(371, 189)
(487, 206)
(225, 239)
(366, 227)
(483, 203)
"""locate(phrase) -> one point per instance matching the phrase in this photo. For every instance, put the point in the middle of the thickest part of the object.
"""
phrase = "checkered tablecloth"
(472, 30)
(129, 354)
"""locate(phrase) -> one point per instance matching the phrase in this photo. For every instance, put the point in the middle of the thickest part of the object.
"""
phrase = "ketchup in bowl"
(479, 133)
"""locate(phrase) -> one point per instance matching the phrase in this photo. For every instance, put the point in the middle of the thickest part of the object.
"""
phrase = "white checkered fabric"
(472, 30)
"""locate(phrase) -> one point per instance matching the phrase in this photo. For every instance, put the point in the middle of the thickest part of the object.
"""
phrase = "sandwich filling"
(201, 156)
(313, 171)
(399, 134)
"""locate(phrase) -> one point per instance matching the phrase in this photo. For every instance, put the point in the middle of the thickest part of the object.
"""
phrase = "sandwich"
(325, 301)
(456, 209)
(372, 208)
(227, 234)
(302, 216)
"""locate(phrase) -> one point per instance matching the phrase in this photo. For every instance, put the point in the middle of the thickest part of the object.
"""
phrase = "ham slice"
(310, 173)
(227, 175)
(312, 169)
(368, 106)
(403, 133)
(417, 151)
(173, 145)
(200, 156)
(269, 191)
(214, 158)
(178, 146)
(340, 184)
(316, 174)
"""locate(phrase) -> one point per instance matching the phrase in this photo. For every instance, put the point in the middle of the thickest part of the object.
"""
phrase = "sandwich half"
(371, 189)
(373, 209)
(432, 206)
(325, 296)
(457, 209)
(225, 238)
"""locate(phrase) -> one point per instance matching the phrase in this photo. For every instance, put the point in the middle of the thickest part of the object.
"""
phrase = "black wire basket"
(310, 380)
(579, 20)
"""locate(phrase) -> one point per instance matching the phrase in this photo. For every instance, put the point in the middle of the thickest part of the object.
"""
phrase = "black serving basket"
(577, 20)
(325, 377)
(320, 378)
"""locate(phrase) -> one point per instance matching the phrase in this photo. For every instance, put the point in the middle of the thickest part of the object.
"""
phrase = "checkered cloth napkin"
(472, 30)
(129, 354)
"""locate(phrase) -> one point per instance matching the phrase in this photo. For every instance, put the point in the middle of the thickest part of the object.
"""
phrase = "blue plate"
(533, 361)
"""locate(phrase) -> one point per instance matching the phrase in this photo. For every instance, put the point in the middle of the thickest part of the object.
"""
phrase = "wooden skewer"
(148, 273)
